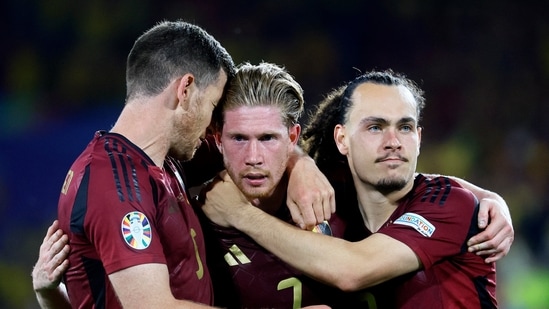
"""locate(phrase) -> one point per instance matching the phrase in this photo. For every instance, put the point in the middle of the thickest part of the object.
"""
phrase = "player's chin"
(183, 154)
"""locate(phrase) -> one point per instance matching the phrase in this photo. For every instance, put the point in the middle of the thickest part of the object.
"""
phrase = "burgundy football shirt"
(435, 220)
(246, 275)
(120, 210)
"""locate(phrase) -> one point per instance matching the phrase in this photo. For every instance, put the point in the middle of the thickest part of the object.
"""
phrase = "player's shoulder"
(435, 181)
(117, 149)
(440, 189)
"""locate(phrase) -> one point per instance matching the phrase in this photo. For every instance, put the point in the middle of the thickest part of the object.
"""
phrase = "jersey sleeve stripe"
(447, 187)
(127, 169)
(434, 189)
(110, 154)
(80, 207)
(135, 180)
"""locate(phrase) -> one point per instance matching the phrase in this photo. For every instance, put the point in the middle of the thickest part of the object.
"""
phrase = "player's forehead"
(382, 101)
(213, 92)
(253, 119)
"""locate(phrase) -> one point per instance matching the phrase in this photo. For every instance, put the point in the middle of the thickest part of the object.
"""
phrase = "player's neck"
(271, 204)
(377, 207)
(147, 133)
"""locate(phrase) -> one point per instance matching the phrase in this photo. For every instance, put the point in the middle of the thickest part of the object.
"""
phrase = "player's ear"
(419, 130)
(185, 87)
(294, 133)
(217, 137)
(339, 138)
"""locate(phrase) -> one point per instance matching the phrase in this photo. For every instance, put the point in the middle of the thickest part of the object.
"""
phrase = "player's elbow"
(349, 281)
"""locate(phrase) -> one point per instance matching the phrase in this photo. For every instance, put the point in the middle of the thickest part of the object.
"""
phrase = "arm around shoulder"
(311, 197)
(350, 266)
(494, 216)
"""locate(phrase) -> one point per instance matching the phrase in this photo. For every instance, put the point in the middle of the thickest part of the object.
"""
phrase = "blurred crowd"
(484, 66)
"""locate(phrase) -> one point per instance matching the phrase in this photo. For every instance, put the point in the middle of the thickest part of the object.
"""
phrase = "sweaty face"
(193, 123)
(256, 146)
(381, 138)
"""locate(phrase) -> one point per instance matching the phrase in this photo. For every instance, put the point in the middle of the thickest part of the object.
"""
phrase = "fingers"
(482, 249)
(492, 251)
(54, 233)
(327, 203)
(327, 207)
(57, 252)
(296, 214)
(483, 242)
(311, 197)
(52, 259)
(495, 241)
(333, 203)
(483, 213)
(312, 209)
(52, 244)
(319, 208)
(60, 249)
(58, 272)
(58, 265)
(493, 255)
(51, 229)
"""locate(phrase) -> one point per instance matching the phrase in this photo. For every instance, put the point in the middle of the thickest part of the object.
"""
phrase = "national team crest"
(136, 230)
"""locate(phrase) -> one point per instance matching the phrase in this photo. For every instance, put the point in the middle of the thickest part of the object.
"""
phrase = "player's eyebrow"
(373, 119)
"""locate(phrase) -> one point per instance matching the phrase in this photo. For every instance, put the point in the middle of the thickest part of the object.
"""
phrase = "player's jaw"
(256, 183)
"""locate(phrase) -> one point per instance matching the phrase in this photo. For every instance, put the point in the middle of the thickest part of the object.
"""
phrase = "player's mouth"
(392, 159)
(255, 179)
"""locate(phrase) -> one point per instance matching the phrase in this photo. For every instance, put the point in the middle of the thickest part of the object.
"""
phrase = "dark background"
(483, 64)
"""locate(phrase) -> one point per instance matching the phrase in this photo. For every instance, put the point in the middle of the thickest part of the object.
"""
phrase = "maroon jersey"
(246, 275)
(435, 220)
(120, 210)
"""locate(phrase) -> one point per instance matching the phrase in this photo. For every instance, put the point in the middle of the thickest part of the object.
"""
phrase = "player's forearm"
(296, 155)
(481, 193)
(327, 259)
(53, 298)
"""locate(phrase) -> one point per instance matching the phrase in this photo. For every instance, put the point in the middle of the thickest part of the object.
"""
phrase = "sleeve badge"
(136, 230)
(420, 224)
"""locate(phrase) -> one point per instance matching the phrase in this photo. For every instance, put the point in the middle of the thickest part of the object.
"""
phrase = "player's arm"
(311, 197)
(495, 241)
(347, 265)
(147, 286)
(48, 270)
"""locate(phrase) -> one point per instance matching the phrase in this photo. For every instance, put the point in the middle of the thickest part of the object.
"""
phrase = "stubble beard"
(389, 185)
(249, 192)
(253, 192)
(182, 151)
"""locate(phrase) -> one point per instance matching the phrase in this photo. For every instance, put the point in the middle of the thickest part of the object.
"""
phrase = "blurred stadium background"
(483, 64)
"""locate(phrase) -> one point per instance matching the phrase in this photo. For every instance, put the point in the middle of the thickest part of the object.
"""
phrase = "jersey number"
(296, 285)
(369, 299)
(200, 270)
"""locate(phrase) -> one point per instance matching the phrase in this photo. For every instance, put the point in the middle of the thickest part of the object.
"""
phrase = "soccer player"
(257, 129)
(411, 230)
(123, 198)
